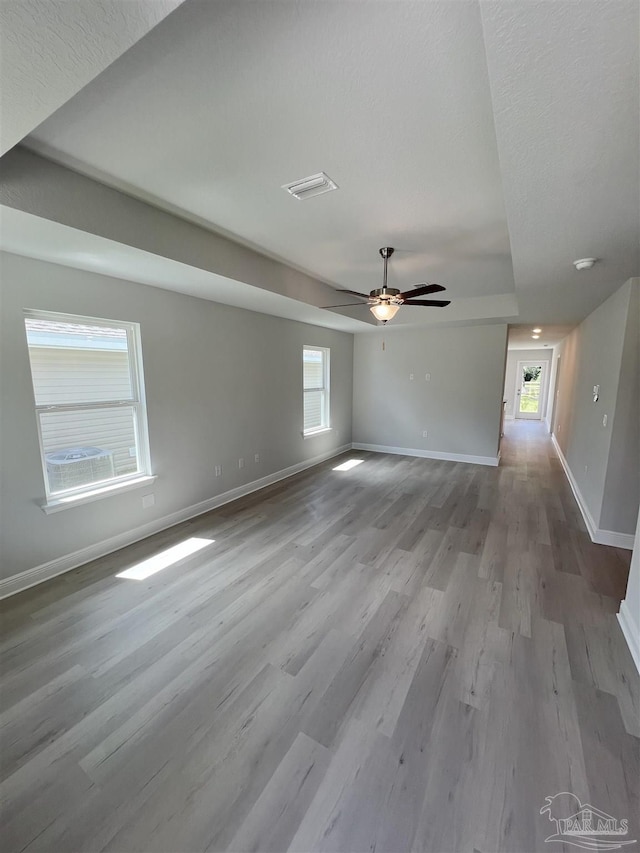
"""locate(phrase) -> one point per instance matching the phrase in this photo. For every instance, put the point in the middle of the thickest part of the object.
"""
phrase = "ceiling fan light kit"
(384, 311)
(384, 302)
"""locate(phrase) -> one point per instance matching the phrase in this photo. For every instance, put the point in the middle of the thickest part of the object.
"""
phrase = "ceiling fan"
(385, 301)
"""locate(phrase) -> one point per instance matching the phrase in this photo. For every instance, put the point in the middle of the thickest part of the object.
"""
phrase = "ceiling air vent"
(308, 187)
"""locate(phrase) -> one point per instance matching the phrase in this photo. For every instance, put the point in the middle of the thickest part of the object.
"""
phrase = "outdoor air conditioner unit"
(77, 466)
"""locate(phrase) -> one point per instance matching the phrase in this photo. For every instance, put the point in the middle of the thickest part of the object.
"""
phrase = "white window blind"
(88, 390)
(315, 364)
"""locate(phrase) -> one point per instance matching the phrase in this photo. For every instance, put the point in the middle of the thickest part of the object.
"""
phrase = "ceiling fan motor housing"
(382, 292)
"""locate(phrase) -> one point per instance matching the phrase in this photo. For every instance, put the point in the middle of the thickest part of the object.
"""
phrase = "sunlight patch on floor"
(348, 465)
(164, 559)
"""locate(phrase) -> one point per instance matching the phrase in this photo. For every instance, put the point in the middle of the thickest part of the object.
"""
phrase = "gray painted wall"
(459, 407)
(604, 460)
(221, 383)
(622, 483)
(513, 357)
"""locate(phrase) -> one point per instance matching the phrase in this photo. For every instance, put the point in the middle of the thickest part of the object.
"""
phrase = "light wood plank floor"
(407, 656)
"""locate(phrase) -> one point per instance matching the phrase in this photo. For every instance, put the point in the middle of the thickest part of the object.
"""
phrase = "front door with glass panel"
(529, 393)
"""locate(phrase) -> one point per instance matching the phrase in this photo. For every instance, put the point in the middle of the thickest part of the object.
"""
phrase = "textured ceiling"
(564, 82)
(492, 143)
(223, 104)
(50, 49)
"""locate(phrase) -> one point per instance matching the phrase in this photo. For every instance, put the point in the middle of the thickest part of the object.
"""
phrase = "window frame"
(326, 390)
(92, 491)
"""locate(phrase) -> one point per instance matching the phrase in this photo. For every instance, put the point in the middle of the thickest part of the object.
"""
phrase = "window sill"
(58, 504)
(315, 432)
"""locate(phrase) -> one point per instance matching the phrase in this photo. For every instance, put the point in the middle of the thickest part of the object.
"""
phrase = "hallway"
(410, 655)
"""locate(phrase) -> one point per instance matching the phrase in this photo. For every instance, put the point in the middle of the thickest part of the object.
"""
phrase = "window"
(89, 396)
(315, 362)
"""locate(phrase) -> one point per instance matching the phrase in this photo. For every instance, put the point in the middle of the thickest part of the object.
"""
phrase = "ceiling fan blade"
(346, 305)
(354, 293)
(435, 303)
(422, 290)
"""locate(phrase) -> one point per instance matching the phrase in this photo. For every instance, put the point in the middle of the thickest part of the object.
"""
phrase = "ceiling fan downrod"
(386, 253)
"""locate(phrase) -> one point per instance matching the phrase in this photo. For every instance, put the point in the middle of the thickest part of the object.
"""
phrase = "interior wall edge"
(629, 615)
(612, 538)
(58, 566)
(631, 632)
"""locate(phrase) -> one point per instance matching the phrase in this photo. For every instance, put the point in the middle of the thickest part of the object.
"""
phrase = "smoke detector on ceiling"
(313, 185)
(584, 263)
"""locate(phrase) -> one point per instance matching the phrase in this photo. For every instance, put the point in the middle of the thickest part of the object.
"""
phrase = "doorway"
(530, 390)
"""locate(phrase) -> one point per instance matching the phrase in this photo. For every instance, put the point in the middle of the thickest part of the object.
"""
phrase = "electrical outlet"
(241, 462)
(411, 377)
(218, 470)
(424, 433)
(256, 458)
(148, 500)
(427, 377)
(604, 420)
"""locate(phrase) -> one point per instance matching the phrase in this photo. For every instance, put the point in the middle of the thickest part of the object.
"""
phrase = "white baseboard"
(46, 571)
(614, 539)
(599, 536)
(429, 454)
(631, 632)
